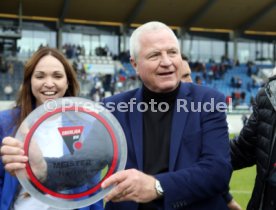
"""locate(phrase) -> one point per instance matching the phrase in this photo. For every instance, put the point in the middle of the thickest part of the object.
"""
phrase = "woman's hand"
(13, 156)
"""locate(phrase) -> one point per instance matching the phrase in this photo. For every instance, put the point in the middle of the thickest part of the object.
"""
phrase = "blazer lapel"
(136, 125)
(179, 121)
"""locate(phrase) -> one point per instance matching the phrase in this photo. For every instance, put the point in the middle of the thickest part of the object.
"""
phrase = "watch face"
(73, 145)
(158, 188)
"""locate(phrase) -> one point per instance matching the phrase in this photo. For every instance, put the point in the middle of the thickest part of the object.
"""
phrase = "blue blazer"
(9, 183)
(199, 161)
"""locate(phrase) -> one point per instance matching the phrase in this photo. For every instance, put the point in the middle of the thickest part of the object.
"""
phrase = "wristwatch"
(158, 188)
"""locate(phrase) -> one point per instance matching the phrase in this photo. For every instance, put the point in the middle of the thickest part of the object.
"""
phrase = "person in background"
(47, 75)
(8, 90)
(178, 158)
(186, 71)
(255, 145)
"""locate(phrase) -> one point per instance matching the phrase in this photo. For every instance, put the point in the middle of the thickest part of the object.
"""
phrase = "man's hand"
(233, 205)
(131, 185)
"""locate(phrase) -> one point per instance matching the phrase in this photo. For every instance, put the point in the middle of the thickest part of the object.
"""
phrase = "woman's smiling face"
(49, 80)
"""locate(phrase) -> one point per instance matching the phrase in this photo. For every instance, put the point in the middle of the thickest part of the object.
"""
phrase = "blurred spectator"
(248, 86)
(3, 67)
(97, 92)
(107, 82)
(242, 99)
(101, 51)
(186, 72)
(233, 82)
(237, 62)
(8, 90)
(249, 70)
(228, 100)
(10, 69)
(238, 82)
(198, 80)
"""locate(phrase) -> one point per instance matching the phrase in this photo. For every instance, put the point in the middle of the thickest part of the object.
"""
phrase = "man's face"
(159, 61)
(186, 72)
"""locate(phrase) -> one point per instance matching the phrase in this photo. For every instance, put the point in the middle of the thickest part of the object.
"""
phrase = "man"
(178, 158)
(186, 71)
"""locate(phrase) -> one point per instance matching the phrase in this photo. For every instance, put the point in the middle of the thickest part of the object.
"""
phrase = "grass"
(241, 185)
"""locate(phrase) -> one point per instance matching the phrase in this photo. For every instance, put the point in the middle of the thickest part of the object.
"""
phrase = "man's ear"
(134, 64)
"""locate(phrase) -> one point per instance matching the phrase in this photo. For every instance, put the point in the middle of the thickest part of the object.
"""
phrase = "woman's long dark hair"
(26, 100)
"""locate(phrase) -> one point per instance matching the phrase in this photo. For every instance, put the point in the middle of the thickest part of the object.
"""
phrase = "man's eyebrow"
(155, 52)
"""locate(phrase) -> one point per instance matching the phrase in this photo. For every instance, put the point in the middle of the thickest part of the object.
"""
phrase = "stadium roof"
(249, 16)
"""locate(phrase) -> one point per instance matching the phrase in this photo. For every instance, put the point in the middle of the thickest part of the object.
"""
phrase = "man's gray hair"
(134, 42)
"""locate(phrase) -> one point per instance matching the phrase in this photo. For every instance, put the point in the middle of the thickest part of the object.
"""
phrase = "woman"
(47, 75)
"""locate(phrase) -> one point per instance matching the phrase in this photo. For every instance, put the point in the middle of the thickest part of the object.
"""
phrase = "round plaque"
(73, 145)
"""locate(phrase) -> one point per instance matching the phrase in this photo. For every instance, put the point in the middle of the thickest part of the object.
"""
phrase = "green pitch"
(241, 185)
